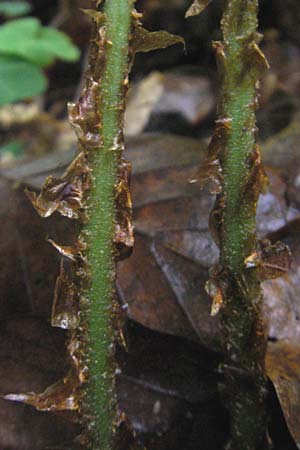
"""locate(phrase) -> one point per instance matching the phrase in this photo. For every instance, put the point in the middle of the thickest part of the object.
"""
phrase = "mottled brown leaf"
(283, 368)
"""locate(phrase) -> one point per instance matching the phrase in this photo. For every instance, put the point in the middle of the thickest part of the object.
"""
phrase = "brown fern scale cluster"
(68, 195)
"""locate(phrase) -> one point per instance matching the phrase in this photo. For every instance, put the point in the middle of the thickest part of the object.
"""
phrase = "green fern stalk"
(100, 228)
(242, 177)
(94, 191)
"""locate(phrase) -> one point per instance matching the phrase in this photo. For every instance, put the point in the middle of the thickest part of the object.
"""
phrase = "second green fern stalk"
(233, 220)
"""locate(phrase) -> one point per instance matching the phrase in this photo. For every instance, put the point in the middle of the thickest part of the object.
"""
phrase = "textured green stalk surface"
(99, 230)
(237, 104)
(243, 335)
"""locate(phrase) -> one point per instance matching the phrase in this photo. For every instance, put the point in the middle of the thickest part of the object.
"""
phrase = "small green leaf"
(13, 9)
(26, 38)
(59, 44)
(19, 80)
(29, 25)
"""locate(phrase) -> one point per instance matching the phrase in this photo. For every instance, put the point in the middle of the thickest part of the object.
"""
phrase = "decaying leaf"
(197, 7)
(284, 370)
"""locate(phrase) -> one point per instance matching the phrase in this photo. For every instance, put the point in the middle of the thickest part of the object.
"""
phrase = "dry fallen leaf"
(161, 94)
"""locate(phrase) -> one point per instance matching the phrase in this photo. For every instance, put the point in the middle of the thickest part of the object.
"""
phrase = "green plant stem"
(242, 327)
(99, 230)
(237, 104)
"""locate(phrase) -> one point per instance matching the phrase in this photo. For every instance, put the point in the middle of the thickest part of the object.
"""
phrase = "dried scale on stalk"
(237, 178)
(94, 190)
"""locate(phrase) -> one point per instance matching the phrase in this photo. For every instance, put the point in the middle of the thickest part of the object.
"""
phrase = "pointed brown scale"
(257, 179)
(73, 252)
(219, 49)
(216, 220)
(97, 16)
(272, 260)
(123, 239)
(219, 137)
(197, 7)
(61, 396)
(143, 40)
(256, 59)
(65, 304)
(210, 170)
(216, 288)
(118, 319)
(216, 294)
(85, 120)
(209, 173)
(76, 348)
(84, 115)
(66, 194)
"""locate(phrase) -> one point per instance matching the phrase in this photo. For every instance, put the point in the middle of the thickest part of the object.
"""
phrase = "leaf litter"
(176, 252)
(162, 286)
